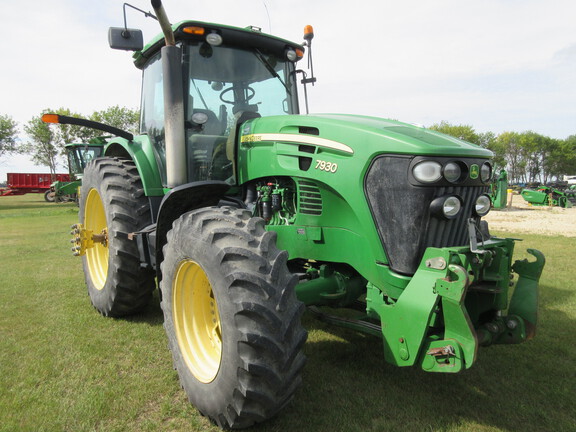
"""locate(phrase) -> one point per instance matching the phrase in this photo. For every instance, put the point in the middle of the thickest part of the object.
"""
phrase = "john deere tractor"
(78, 154)
(245, 212)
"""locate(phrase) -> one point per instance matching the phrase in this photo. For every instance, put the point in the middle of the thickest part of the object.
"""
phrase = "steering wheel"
(251, 93)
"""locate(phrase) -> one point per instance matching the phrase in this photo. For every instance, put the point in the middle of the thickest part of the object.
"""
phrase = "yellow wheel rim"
(97, 256)
(196, 321)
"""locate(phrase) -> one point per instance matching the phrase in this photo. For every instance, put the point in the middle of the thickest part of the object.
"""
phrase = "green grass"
(63, 367)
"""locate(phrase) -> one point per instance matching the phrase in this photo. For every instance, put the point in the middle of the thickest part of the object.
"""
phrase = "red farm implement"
(23, 183)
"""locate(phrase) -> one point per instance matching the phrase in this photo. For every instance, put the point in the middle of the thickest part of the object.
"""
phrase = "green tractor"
(245, 212)
(78, 154)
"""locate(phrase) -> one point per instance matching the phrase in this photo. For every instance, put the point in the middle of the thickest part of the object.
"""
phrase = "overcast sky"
(498, 65)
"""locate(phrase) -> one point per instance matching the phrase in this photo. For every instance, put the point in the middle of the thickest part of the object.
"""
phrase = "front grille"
(401, 211)
(310, 199)
(453, 232)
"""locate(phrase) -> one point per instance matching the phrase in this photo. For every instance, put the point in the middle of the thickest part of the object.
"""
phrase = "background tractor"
(245, 212)
(78, 155)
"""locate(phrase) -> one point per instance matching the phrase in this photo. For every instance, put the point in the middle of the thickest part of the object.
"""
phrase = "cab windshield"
(79, 156)
(226, 85)
(223, 86)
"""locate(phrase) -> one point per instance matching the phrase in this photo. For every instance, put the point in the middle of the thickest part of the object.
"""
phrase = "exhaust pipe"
(176, 173)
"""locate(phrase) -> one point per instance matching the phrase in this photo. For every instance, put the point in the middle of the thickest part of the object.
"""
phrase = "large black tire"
(112, 199)
(231, 316)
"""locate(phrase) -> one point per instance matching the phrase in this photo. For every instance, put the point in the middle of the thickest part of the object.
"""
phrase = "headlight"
(482, 206)
(446, 206)
(451, 207)
(452, 172)
(485, 172)
(427, 171)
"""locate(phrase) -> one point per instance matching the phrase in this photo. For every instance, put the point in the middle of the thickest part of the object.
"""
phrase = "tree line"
(527, 156)
(45, 143)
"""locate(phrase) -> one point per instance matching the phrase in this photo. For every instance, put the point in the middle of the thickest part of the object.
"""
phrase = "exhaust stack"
(176, 173)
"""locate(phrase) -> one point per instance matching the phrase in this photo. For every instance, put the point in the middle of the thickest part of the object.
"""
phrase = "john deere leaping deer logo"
(474, 171)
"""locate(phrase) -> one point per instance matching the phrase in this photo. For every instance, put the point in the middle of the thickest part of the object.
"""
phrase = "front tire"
(113, 203)
(231, 316)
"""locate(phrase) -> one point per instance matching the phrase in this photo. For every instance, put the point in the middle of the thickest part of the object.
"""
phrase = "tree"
(490, 141)
(562, 159)
(47, 143)
(509, 142)
(119, 117)
(463, 132)
(42, 148)
(8, 133)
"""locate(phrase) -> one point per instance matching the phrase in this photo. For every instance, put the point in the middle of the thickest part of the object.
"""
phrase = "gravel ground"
(520, 217)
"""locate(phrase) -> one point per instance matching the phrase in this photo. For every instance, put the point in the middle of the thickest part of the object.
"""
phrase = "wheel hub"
(197, 321)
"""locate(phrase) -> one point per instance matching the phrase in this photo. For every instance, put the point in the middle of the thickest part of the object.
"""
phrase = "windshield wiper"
(270, 69)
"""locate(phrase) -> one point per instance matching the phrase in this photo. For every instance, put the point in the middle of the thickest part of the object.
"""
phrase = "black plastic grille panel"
(402, 214)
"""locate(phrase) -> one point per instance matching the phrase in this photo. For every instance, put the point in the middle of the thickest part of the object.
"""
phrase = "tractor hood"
(354, 134)
(288, 145)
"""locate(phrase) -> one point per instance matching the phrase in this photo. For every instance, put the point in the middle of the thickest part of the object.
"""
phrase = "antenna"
(268, 14)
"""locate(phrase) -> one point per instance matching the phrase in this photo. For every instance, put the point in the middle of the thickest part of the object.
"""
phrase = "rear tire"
(49, 196)
(112, 199)
(231, 316)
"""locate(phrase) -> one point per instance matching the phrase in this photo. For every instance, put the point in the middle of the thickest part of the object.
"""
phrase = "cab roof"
(249, 37)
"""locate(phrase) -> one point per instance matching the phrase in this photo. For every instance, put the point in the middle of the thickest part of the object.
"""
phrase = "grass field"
(63, 367)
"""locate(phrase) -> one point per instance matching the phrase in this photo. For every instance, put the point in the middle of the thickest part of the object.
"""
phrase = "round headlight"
(446, 206)
(214, 39)
(427, 171)
(485, 172)
(482, 206)
(451, 207)
(452, 172)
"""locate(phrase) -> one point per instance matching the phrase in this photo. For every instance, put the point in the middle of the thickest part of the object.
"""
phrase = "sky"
(497, 65)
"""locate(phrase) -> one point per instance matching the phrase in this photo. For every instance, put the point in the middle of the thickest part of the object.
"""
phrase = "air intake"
(309, 198)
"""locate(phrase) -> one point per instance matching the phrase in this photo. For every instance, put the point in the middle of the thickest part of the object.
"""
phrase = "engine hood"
(362, 134)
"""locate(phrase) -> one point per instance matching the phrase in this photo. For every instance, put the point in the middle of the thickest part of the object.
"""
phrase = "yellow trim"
(298, 139)
(96, 256)
(196, 321)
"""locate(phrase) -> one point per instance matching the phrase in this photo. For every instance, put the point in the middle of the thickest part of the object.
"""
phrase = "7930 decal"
(330, 167)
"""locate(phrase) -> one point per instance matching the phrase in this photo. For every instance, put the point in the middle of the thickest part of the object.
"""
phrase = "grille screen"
(310, 199)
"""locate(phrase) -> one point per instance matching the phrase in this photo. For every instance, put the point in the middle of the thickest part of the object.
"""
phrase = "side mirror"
(125, 39)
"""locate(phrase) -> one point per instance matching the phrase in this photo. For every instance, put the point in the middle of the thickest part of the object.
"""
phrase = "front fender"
(140, 150)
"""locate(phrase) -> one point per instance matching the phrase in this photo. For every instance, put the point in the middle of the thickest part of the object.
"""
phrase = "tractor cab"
(228, 75)
(79, 154)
